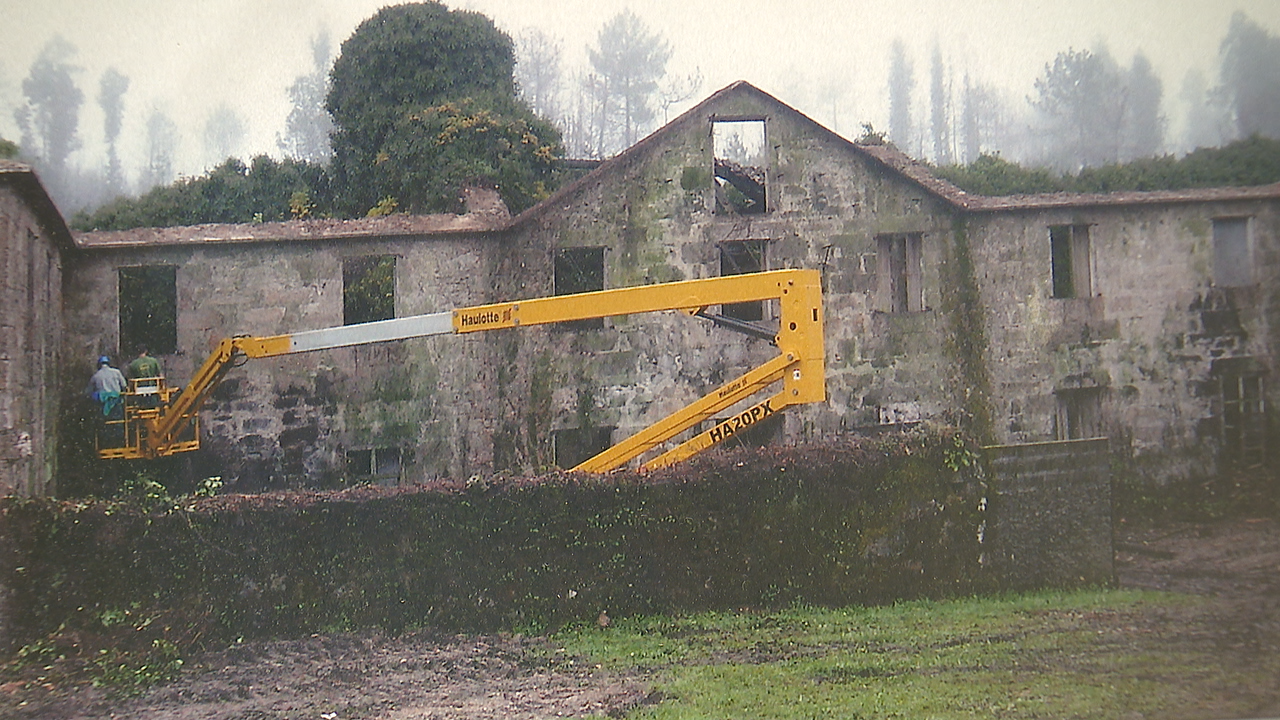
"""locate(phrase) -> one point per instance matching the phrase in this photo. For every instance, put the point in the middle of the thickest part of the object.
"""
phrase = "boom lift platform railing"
(171, 426)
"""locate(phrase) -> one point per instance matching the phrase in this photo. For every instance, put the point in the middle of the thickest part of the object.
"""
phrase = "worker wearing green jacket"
(145, 372)
(144, 366)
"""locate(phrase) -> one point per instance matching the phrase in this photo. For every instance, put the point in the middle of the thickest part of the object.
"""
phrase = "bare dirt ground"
(343, 676)
(1235, 564)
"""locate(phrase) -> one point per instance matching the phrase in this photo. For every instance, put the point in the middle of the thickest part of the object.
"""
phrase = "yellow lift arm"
(173, 427)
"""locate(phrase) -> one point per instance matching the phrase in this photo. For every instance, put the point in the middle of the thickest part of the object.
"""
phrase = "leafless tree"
(539, 77)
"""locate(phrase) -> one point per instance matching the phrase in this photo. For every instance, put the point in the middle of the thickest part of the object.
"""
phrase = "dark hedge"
(860, 521)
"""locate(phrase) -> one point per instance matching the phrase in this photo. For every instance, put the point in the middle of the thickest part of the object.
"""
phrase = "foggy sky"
(189, 57)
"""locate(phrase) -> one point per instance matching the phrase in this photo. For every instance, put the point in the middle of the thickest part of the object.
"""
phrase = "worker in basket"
(146, 375)
(106, 387)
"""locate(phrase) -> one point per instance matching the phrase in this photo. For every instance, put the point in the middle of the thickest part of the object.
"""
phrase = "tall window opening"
(1243, 418)
(899, 267)
(148, 301)
(741, 165)
(738, 257)
(572, 446)
(1079, 414)
(1232, 253)
(1070, 257)
(579, 270)
(368, 289)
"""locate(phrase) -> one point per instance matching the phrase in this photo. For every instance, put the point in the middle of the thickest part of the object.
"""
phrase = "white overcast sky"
(189, 56)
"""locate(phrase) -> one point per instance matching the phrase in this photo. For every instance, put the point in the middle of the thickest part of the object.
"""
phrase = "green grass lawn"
(1092, 654)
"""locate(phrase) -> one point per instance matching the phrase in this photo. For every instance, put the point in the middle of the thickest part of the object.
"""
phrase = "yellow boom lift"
(161, 420)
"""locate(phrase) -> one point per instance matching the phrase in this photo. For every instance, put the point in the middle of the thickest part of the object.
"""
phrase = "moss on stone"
(695, 178)
(966, 342)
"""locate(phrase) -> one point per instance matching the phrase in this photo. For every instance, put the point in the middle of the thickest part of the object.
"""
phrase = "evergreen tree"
(50, 119)
(1082, 98)
(308, 125)
(629, 62)
(980, 119)
(402, 62)
(940, 110)
(432, 153)
(161, 149)
(111, 90)
(1144, 124)
(901, 85)
(1205, 123)
(224, 132)
(1251, 77)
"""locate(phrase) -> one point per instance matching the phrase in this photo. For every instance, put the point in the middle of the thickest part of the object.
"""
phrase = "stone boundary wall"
(1050, 514)
(862, 521)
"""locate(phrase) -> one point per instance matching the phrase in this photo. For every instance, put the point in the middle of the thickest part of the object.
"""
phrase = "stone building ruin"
(1144, 317)
(33, 242)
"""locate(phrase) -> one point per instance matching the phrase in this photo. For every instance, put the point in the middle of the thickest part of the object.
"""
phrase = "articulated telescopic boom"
(157, 432)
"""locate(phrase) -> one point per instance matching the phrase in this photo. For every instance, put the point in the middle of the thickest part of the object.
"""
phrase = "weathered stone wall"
(288, 421)
(653, 210)
(1148, 338)
(1050, 514)
(30, 332)
(988, 348)
(857, 521)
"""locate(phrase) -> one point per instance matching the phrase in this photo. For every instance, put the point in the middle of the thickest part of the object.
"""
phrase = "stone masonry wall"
(290, 421)
(653, 211)
(988, 347)
(30, 331)
(1148, 338)
(1050, 511)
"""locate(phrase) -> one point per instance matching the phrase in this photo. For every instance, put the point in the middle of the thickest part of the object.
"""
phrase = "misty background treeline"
(421, 100)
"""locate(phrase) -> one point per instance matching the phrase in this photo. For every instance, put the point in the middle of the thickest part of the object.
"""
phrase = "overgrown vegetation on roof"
(423, 103)
(266, 190)
(1253, 161)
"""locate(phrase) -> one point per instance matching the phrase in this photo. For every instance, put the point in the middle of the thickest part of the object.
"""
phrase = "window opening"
(379, 464)
(738, 257)
(1243, 418)
(368, 289)
(1079, 414)
(899, 265)
(740, 166)
(572, 446)
(148, 302)
(1232, 256)
(579, 270)
(1069, 258)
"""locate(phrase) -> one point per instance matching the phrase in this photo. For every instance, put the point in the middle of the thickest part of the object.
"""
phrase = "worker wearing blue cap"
(106, 385)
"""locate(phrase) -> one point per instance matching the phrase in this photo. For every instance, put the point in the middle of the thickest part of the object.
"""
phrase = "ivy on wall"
(860, 521)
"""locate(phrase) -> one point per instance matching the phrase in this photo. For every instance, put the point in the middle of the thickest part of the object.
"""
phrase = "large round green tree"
(392, 72)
